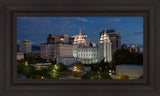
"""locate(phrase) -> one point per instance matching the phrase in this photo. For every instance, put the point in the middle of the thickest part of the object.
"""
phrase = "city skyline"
(36, 29)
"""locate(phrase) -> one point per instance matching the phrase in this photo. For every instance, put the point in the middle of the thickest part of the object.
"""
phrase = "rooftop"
(129, 65)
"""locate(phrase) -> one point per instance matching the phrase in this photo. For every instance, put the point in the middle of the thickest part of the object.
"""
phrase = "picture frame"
(9, 86)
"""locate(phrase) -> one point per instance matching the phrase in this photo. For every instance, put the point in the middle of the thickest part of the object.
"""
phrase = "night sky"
(36, 29)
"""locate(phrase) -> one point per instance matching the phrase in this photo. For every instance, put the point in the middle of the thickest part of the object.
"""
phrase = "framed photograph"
(79, 48)
(54, 51)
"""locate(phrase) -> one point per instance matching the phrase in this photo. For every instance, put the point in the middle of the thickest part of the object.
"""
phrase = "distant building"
(134, 48)
(131, 48)
(41, 65)
(67, 60)
(34, 54)
(63, 50)
(125, 46)
(53, 39)
(133, 71)
(81, 40)
(25, 46)
(47, 51)
(86, 68)
(115, 39)
(20, 55)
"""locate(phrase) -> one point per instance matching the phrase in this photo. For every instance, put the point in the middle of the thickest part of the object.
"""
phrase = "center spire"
(80, 31)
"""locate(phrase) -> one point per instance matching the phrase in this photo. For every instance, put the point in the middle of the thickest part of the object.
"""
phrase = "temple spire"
(80, 31)
(105, 29)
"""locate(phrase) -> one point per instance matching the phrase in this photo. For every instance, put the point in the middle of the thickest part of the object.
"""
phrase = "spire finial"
(80, 31)
(105, 28)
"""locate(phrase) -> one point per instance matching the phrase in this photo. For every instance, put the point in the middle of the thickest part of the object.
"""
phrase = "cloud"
(128, 35)
(114, 20)
(138, 33)
(72, 19)
(81, 19)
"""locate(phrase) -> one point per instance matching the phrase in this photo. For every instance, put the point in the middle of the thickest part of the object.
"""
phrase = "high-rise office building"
(53, 39)
(25, 46)
(47, 51)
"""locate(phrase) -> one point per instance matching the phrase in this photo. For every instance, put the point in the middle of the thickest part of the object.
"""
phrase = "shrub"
(121, 76)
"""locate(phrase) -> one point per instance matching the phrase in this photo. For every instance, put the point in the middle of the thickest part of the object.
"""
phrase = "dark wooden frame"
(149, 86)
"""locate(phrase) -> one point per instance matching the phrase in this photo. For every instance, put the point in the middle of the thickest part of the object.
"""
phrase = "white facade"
(90, 54)
(105, 49)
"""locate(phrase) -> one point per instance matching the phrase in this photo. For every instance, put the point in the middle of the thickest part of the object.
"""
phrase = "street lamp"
(74, 70)
(26, 63)
(100, 69)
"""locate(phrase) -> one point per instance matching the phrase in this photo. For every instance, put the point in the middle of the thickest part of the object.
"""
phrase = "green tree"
(125, 57)
(27, 70)
(78, 67)
(61, 67)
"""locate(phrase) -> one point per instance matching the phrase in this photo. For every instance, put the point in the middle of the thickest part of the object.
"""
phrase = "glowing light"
(75, 68)
(26, 63)
(56, 67)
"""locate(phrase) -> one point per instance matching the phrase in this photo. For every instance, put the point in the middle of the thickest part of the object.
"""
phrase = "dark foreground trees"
(125, 57)
(94, 75)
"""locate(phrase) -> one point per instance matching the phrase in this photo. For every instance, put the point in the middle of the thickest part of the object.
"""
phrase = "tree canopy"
(125, 57)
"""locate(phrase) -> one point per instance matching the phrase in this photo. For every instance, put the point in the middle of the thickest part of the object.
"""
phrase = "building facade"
(20, 55)
(134, 48)
(63, 50)
(53, 39)
(53, 51)
(67, 60)
(79, 50)
(115, 38)
(90, 54)
(47, 51)
(25, 46)
(80, 40)
(131, 48)
(105, 47)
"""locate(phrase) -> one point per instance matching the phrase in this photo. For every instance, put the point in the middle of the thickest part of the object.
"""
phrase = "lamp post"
(26, 63)
(75, 69)
(100, 69)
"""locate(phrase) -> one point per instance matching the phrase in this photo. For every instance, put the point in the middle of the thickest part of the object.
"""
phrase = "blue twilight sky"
(36, 29)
